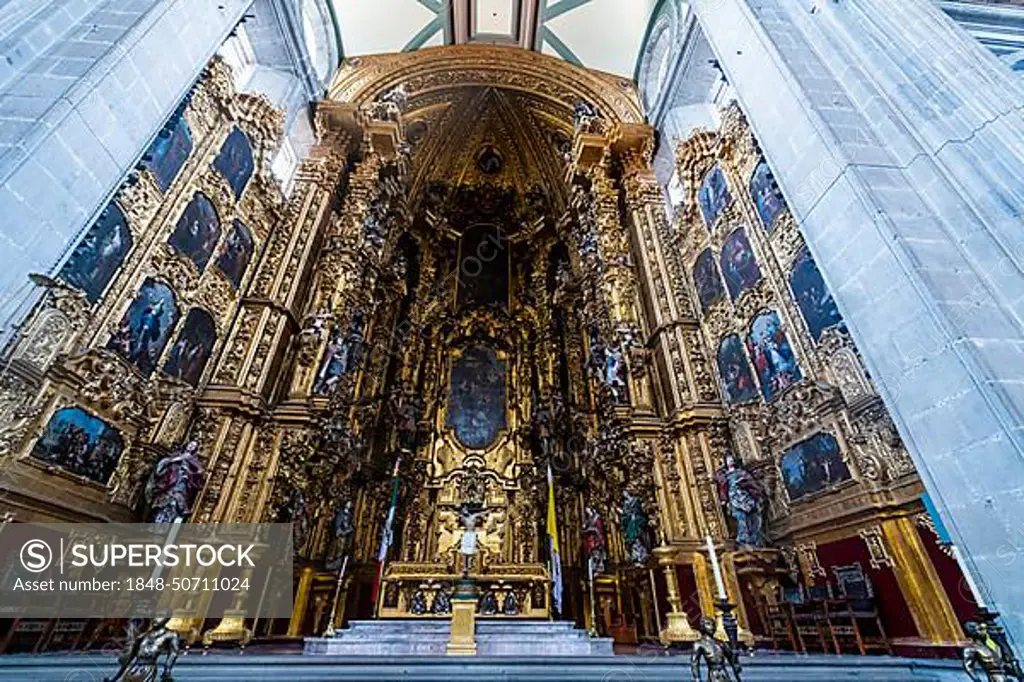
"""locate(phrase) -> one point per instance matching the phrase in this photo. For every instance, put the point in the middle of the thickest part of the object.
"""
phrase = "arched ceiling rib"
(600, 34)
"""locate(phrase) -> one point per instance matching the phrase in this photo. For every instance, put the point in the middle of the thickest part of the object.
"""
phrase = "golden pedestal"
(229, 629)
(463, 634)
(187, 628)
(677, 627)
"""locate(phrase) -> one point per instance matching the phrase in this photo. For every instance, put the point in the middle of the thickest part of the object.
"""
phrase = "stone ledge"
(217, 668)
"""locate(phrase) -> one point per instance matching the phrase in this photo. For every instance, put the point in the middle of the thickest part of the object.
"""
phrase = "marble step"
(293, 668)
(430, 637)
(555, 628)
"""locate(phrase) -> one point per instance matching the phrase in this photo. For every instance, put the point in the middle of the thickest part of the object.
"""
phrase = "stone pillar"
(895, 138)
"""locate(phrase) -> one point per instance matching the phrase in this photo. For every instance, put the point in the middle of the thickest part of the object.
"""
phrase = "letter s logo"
(36, 556)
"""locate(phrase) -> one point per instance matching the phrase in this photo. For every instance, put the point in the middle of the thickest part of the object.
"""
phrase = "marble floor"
(296, 668)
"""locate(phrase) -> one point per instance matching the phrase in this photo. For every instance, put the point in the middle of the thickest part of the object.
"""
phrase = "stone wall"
(84, 87)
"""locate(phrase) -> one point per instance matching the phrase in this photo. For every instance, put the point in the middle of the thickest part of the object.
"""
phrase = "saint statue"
(614, 371)
(744, 496)
(984, 655)
(594, 546)
(406, 413)
(595, 360)
(294, 511)
(718, 656)
(586, 117)
(634, 528)
(342, 528)
(174, 484)
(542, 428)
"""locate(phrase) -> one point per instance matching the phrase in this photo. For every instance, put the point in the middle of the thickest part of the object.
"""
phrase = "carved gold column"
(301, 602)
(919, 582)
(241, 445)
(646, 208)
(736, 596)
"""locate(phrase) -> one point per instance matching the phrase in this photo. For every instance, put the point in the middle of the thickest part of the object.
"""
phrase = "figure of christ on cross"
(471, 516)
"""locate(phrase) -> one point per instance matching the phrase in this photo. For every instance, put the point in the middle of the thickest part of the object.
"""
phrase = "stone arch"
(318, 37)
(427, 75)
(660, 52)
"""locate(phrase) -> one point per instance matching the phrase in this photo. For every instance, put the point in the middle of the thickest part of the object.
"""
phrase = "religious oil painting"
(706, 280)
(96, 258)
(483, 277)
(773, 357)
(169, 152)
(713, 196)
(187, 357)
(197, 232)
(813, 465)
(812, 296)
(476, 403)
(146, 327)
(739, 266)
(734, 369)
(235, 161)
(234, 259)
(80, 443)
(766, 195)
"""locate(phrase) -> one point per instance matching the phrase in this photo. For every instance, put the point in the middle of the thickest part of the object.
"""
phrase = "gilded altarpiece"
(473, 286)
(799, 412)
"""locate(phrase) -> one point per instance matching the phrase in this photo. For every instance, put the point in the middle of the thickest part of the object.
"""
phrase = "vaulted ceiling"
(600, 34)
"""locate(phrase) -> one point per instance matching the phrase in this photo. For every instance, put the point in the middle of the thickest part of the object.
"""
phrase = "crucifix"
(470, 515)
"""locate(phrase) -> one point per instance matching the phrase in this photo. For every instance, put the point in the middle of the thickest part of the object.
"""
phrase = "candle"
(590, 568)
(719, 583)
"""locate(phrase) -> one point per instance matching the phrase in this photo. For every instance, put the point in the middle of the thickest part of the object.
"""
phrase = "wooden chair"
(811, 624)
(781, 627)
(854, 616)
(857, 622)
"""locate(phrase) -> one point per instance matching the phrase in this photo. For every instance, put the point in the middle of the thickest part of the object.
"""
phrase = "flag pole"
(387, 533)
(555, 558)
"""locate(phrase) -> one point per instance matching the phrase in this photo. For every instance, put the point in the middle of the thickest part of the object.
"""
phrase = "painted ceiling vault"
(600, 34)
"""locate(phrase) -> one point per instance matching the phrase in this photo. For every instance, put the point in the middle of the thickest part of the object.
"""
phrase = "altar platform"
(423, 637)
(656, 668)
